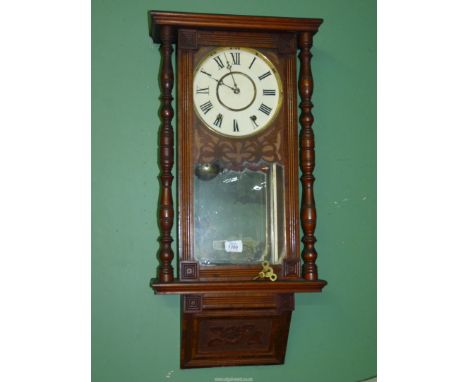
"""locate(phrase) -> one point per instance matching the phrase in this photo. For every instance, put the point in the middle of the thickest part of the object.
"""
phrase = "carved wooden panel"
(234, 153)
(220, 335)
(234, 335)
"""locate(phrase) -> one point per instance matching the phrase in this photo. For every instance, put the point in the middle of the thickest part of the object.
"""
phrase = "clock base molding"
(244, 329)
(232, 287)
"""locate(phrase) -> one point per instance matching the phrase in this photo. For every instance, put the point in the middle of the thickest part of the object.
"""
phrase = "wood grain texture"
(233, 272)
(158, 19)
(292, 182)
(307, 144)
(192, 303)
(187, 39)
(228, 319)
(233, 154)
(240, 330)
(189, 270)
(226, 38)
(291, 268)
(214, 301)
(185, 138)
(198, 144)
(166, 158)
(233, 287)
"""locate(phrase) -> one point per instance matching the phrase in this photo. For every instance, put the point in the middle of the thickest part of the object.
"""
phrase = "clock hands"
(235, 90)
(248, 95)
(229, 66)
(241, 79)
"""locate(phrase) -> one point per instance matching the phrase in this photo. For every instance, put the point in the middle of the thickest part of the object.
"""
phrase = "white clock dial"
(236, 91)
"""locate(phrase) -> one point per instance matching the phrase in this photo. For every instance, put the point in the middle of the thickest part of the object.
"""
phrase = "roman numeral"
(268, 92)
(235, 58)
(219, 120)
(265, 109)
(252, 62)
(204, 90)
(235, 126)
(208, 74)
(206, 107)
(264, 75)
(253, 118)
(219, 62)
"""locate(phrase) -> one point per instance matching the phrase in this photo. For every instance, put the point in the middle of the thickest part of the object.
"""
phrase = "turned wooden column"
(166, 158)
(307, 158)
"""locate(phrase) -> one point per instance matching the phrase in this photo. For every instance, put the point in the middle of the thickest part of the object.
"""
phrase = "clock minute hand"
(229, 66)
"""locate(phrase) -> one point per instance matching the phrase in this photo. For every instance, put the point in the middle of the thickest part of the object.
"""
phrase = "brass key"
(266, 272)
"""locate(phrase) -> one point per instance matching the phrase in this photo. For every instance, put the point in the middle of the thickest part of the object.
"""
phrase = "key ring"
(266, 272)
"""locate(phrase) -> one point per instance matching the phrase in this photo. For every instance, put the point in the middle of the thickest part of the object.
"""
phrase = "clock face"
(236, 91)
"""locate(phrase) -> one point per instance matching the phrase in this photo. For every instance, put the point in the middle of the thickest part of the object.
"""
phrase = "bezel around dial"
(226, 74)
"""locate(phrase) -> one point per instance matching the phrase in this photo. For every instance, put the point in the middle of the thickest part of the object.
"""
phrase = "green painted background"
(135, 335)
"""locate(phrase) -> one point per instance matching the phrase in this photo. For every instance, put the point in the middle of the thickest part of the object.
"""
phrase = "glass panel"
(239, 215)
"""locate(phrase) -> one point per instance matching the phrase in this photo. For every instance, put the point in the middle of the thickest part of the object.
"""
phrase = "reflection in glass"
(239, 215)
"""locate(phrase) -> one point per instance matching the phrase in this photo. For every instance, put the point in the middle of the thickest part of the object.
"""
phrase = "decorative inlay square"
(188, 39)
(292, 268)
(192, 303)
(188, 270)
(287, 44)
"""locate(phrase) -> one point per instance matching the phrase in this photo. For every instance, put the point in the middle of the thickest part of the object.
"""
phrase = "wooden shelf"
(197, 287)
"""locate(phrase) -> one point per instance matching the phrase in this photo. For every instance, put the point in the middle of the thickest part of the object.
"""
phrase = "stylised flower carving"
(231, 335)
(233, 153)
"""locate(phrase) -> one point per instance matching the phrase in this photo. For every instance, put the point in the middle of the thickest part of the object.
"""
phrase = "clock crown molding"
(157, 19)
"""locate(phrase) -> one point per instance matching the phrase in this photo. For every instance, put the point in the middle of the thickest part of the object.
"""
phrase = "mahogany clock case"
(227, 317)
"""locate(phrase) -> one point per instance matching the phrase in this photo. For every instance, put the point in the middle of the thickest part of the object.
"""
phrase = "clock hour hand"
(235, 90)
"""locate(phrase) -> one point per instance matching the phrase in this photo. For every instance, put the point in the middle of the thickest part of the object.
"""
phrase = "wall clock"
(238, 152)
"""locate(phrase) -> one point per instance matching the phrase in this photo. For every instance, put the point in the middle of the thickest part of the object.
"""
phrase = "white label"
(233, 246)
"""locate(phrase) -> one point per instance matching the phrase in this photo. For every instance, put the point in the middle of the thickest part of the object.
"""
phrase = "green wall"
(135, 335)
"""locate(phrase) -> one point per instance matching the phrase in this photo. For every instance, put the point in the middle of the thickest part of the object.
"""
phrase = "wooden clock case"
(227, 317)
